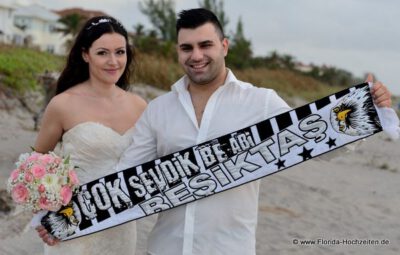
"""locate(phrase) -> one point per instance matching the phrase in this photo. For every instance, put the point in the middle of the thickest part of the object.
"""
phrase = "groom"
(206, 103)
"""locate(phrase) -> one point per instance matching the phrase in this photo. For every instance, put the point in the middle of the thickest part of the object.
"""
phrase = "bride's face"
(106, 58)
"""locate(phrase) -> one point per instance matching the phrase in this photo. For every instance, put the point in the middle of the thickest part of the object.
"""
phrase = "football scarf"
(222, 163)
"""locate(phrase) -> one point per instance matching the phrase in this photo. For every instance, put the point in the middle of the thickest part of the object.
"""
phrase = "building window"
(52, 29)
(50, 48)
(18, 40)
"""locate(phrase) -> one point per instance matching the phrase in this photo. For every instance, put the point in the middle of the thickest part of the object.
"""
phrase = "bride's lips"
(112, 71)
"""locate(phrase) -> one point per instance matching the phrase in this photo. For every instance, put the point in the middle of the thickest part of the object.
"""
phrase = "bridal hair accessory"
(100, 21)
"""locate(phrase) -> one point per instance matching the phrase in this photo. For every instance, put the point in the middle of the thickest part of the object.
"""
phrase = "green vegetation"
(162, 73)
(162, 15)
(156, 58)
(156, 70)
(20, 67)
(287, 83)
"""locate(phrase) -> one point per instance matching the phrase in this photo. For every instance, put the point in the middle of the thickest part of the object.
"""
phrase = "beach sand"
(349, 205)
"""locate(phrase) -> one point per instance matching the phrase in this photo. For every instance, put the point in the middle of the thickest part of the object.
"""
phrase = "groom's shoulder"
(164, 99)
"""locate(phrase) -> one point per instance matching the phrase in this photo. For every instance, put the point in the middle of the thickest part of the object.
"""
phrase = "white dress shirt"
(224, 223)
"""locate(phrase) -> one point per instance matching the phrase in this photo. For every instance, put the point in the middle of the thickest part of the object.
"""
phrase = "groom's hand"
(379, 92)
(46, 237)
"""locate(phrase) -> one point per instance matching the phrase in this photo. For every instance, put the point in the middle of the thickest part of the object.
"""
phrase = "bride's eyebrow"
(107, 49)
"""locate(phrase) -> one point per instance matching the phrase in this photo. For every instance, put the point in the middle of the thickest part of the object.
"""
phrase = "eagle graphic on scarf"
(64, 222)
(354, 115)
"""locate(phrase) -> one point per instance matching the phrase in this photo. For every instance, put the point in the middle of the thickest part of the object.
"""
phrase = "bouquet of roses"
(42, 181)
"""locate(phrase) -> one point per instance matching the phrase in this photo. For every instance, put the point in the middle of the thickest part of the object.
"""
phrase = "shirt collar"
(181, 85)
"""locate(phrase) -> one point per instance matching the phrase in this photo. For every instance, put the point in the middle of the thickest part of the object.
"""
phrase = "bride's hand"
(46, 237)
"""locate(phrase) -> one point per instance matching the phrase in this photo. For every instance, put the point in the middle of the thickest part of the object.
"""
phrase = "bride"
(93, 115)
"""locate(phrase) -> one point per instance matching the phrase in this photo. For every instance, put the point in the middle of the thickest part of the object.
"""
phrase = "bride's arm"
(51, 128)
(49, 134)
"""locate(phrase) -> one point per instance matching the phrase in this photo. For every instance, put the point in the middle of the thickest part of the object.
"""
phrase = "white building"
(299, 66)
(6, 21)
(38, 27)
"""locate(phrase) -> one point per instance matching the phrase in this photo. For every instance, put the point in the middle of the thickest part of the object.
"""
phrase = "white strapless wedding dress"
(96, 149)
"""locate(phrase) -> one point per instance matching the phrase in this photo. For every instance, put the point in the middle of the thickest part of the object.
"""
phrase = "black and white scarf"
(203, 170)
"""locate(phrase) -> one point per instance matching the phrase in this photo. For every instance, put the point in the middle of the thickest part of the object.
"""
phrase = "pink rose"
(28, 177)
(57, 160)
(38, 171)
(66, 194)
(23, 166)
(41, 188)
(46, 159)
(73, 177)
(43, 204)
(14, 174)
(19, 193)
(33, 157)
(47, 205)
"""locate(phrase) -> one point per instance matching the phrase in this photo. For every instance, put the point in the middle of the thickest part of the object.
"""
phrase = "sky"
(359, 36)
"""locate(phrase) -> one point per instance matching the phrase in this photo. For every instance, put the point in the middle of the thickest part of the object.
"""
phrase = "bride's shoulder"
(59, 100)
(63, 101)
(71, 94)
(136, 100)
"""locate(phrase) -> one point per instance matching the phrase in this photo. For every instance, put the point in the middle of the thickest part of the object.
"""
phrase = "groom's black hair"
(194, 18)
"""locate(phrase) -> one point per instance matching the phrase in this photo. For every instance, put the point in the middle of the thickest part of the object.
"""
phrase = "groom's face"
(201, 53)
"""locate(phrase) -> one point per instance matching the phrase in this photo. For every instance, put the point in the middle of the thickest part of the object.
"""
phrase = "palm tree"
(72, 25)
(288, 61)
(161, 14)
(218, 9)
(273, 61)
